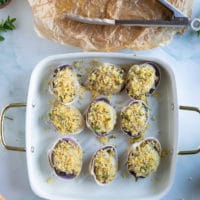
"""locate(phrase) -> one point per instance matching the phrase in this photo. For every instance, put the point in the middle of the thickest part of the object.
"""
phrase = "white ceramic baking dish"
(40, 137)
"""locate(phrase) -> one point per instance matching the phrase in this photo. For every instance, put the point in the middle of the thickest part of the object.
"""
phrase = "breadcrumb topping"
(67, 157)
(144, 160)
(105, 168)
(106, 79)
(134, 118)
(65, 85)
(140, 80)
(101, 117)
(67, 119)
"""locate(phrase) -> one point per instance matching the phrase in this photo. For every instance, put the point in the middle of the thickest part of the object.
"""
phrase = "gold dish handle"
(2, 116)
(194, 151)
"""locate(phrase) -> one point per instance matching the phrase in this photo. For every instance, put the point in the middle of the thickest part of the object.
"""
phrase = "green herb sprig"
(198, 33)
(2, 2)
(7, 25)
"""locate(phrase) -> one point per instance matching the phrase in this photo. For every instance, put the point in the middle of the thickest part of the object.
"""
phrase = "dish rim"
(44, 62)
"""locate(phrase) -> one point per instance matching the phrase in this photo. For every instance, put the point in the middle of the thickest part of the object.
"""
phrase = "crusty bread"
(2, 198)
(50, 23)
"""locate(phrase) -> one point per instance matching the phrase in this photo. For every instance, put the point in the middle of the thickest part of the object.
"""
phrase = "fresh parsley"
(198, 33)
(2, 2)
(1, 38)
(7, 25)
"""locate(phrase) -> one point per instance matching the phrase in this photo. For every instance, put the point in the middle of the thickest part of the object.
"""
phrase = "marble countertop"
(23, 49)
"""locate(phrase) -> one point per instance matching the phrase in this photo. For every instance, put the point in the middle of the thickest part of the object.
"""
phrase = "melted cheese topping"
(106, 79)
(104, 166)
(67, 157)
(101, 117)
(140, 80)
(67, 119)
(65, 85)
(144, 160)
(134, 118)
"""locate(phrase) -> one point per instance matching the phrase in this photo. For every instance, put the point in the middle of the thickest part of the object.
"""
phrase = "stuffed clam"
(142, 79)
(66, 158)
(104, 165)
(64, 84)
(101, 117)
(107, 79)
(144, 158)
(67, 119)
(134, 118)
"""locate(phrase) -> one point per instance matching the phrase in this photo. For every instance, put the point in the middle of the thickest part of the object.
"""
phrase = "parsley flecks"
(2, 38)
(7, 25)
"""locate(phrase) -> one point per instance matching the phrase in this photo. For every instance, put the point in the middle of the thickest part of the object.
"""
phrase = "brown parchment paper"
(50, 23)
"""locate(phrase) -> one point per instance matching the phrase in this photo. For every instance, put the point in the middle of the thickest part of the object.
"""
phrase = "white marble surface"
(23, 49)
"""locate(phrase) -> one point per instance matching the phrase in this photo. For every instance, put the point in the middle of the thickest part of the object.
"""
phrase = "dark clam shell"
(156, 144)
(98, 134)
(139, 134)
(62, 174)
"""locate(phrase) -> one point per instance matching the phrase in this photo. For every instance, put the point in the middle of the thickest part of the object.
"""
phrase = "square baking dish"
(40, 136)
